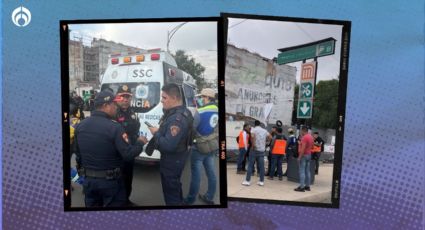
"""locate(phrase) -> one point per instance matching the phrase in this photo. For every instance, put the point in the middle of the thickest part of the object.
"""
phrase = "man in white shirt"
(259, 137)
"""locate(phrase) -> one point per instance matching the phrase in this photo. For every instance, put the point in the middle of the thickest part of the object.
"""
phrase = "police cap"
(124, 89)
(104, 97)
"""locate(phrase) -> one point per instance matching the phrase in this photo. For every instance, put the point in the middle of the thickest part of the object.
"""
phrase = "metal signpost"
(303, 52)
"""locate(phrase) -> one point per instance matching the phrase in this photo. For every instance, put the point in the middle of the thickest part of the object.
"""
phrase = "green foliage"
(188, 64)
(325, 104)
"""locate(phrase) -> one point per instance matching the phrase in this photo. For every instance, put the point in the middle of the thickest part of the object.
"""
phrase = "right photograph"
(285, 90)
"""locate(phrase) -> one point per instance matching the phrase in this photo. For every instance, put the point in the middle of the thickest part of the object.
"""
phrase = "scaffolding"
(88, 58)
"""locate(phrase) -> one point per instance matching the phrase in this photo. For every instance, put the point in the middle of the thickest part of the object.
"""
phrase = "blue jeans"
(242, 153)
(305, 177)
(197, 160)
(276, 159)
(259, 156)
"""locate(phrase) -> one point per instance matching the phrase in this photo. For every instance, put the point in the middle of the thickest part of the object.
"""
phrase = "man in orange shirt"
(243, 141)
(317, 150)
(277, 151)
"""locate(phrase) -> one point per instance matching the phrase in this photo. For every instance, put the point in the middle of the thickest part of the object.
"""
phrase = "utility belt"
(110, 174)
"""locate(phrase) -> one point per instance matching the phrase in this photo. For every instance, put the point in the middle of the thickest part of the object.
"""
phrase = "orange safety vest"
(241, 140)
(316, 149)
(279, 147)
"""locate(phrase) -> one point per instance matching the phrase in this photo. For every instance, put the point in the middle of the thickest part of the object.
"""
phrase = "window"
(189, 95)
(146, 95)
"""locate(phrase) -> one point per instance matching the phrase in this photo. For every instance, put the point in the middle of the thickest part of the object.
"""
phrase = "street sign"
(306, 91)
(306, 51)
(305, 108)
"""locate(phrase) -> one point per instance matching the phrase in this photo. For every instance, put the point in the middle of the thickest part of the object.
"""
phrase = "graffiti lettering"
(240, 108)
(254, 96)
(255, 111)
(277, 82)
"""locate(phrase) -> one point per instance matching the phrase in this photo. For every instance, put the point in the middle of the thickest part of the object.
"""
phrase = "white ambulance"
(145, 72)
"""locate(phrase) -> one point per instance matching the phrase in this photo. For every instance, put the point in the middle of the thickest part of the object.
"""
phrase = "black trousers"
(100, 192)
(316, 158)
(171, 172)
(127, 172)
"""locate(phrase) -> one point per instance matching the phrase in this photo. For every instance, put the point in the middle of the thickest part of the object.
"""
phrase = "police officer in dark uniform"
(173, 139)
(129, 121)
(102, 146)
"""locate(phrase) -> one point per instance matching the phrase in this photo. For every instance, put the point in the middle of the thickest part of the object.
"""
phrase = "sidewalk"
(281, 190)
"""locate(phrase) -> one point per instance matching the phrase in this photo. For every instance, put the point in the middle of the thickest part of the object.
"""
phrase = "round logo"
(141, 91)
(21, 16)
(214, 120)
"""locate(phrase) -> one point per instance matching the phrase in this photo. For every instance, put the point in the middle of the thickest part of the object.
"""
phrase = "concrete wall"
(254, 85)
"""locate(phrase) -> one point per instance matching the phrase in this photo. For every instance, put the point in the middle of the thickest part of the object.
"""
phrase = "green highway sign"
(306, 51)
(304, 109)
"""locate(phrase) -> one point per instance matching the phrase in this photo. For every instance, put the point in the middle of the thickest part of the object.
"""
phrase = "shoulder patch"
(174, 130)
(125, 137)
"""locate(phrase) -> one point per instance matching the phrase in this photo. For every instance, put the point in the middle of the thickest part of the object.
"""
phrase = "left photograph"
(140, 114)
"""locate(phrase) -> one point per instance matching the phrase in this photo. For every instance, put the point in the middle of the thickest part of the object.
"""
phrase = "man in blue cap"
(102, 146)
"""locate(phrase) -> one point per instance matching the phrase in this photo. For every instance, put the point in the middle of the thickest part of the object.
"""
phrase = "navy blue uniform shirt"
(130, 122)
(172, 138)
(102, 143)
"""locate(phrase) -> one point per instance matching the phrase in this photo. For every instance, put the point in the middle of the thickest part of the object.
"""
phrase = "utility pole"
(171, 33)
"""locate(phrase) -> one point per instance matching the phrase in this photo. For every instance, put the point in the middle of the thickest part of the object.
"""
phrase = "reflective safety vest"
(316, 149)
(242, 143)
(279, 147)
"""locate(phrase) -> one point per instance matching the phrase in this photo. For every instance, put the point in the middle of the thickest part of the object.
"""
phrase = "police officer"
(172, 139)
(129, 121)
(102, 146)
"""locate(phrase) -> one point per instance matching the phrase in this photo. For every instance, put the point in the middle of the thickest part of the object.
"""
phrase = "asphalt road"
(147, 189)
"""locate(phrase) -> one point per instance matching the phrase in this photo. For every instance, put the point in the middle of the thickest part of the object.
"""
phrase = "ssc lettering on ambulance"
(142, 73)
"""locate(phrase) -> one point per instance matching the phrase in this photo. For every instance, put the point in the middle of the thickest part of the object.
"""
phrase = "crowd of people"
(107, 142)
(253, 142)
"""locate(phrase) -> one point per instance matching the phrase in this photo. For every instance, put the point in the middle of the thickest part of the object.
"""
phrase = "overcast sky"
(198, 39)
(265, 37)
